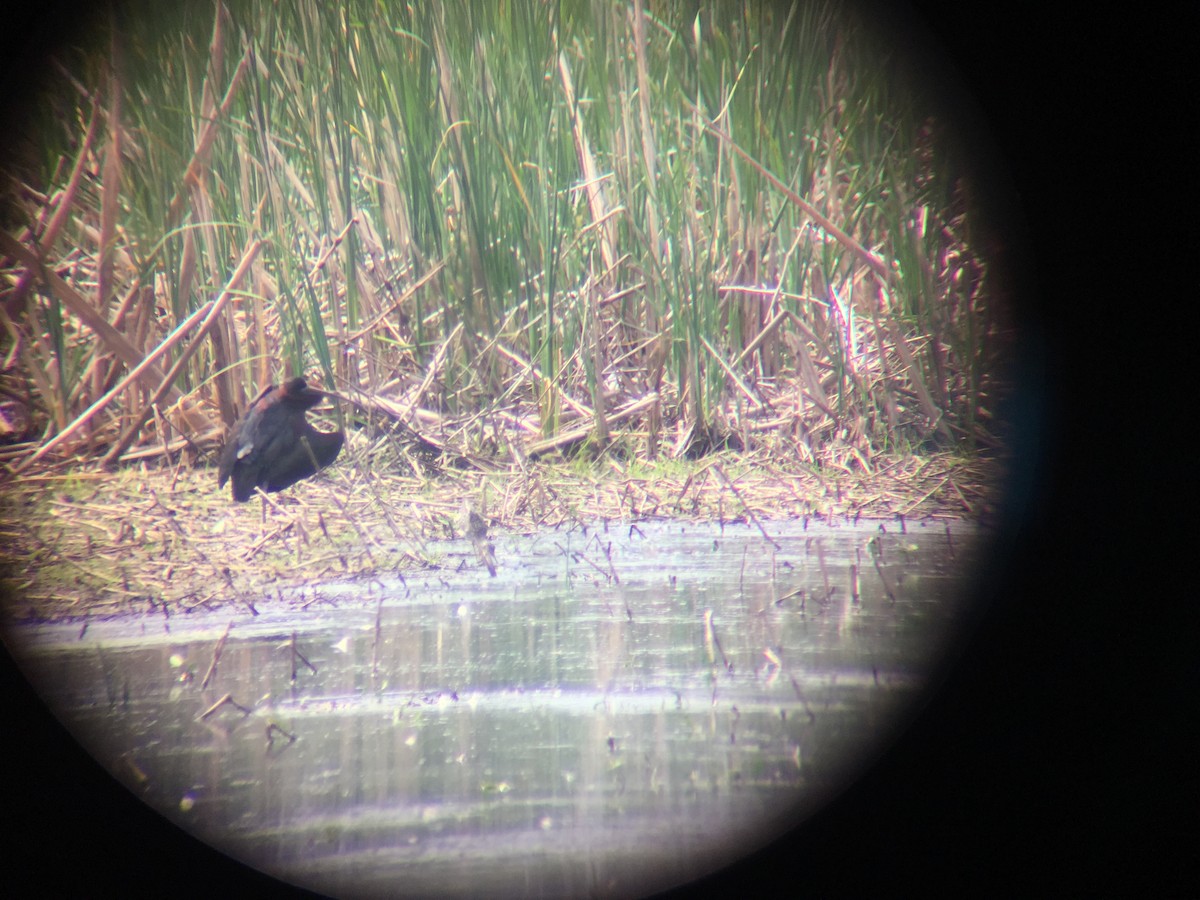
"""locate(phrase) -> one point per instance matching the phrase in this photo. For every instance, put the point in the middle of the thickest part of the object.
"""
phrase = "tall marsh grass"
(672, 225)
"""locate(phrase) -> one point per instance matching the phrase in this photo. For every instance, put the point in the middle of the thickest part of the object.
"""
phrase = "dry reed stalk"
(62, 209)
(592, 180)
(110, 191)
(409, 292)
(876, 264)
(937, 421)
(566, 439)
(538, 377)
(213, 316)
(113, 339)
(199, 160)
(170, 341)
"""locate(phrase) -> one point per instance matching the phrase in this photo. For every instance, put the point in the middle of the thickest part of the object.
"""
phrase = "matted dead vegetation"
(85, 543)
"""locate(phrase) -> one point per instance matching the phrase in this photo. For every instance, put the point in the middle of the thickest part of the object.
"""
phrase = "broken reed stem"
(170, 341)
(83, 308)
(216, 658)
(248, 257)
(873, 262)
(191, 175)
(409, 292)
(66, 200)
(746, 506)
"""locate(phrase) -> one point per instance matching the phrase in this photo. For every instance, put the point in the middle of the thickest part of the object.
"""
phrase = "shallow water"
(621, 709)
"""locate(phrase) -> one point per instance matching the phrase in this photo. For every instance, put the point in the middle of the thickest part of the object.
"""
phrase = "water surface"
(621, 709)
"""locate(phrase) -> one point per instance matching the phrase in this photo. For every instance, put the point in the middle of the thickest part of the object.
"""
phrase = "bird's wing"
(241, 437)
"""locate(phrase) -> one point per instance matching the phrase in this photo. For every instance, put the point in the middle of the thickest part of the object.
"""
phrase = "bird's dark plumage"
(273, 446)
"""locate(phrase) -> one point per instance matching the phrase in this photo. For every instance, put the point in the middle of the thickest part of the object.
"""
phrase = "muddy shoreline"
(89, 543)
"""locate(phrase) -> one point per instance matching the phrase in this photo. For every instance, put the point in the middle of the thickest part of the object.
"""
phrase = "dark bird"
(273, 446)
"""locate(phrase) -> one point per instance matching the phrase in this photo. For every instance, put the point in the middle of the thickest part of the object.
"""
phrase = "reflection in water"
(617, 711)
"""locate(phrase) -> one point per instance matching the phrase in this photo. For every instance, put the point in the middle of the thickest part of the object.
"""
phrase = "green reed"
(600, 181)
